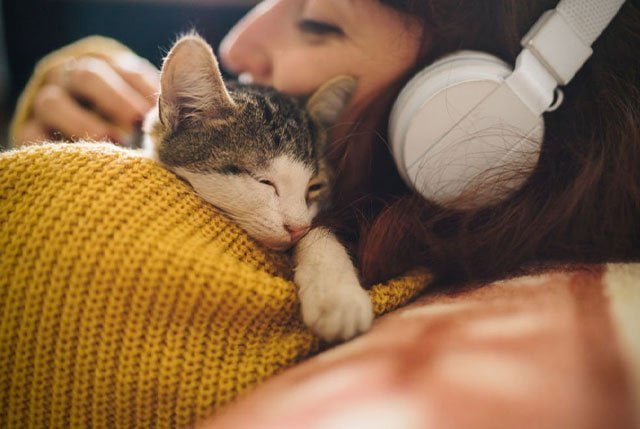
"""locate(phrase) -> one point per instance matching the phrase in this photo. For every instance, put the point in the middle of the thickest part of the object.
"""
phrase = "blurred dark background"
(29, 29)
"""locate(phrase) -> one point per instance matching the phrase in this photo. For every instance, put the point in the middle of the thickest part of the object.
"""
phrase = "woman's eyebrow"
(345, 8)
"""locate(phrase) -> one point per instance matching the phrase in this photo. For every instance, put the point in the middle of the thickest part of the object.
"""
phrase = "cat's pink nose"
(296, 232)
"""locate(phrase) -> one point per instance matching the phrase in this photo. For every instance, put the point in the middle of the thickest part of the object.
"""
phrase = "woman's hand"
(93, 98)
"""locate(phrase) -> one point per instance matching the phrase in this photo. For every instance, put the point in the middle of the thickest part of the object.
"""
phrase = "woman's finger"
(140, 74)
(55, 109)
(32, 132)
(94, 81)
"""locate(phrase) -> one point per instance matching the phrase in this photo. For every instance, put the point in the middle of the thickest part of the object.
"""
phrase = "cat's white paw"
(333, 303)
(336, 313)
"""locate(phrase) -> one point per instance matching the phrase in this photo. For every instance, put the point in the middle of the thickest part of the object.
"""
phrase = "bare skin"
(93, 98)
(292, 45)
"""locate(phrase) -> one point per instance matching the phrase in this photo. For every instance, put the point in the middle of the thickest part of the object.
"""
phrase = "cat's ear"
(191, 84)
(328, 102)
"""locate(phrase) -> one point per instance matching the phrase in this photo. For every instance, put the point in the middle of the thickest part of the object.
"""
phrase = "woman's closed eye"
(319, 28)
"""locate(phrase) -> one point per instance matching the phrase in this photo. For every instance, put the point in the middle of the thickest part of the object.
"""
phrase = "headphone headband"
(589, 18)
(561, 39)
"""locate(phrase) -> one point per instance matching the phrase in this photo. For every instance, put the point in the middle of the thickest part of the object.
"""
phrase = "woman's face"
(296, 45)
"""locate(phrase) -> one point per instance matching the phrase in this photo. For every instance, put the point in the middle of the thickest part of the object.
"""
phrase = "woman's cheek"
(301, 73)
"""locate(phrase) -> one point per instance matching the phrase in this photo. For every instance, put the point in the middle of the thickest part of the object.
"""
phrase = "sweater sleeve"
(97, 46)
(128, 301)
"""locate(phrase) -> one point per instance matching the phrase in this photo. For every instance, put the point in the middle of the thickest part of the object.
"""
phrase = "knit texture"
(127, 301)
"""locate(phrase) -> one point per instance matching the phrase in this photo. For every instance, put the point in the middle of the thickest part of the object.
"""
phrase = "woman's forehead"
(352, 8)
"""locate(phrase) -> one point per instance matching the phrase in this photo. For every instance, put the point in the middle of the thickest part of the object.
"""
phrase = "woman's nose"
(246, 48)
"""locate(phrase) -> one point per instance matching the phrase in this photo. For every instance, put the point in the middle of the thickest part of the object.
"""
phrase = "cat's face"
(250, 151)
(275, 204)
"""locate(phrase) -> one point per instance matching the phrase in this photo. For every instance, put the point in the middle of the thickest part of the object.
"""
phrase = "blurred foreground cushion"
(559, 350)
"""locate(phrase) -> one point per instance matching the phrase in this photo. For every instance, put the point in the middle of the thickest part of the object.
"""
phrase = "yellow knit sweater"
(127, 301)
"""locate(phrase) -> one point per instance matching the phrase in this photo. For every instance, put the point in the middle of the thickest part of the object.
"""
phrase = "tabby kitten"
(257, 155)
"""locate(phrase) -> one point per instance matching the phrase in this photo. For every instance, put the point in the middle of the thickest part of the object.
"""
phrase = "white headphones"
(463, 126)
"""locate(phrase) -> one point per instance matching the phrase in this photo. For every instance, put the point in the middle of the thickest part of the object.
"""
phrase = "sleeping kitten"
(257, 155)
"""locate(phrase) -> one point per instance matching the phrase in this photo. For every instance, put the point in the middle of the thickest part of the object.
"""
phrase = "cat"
(257, 155)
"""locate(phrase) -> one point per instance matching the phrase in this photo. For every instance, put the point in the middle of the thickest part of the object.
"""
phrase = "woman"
(581, 203)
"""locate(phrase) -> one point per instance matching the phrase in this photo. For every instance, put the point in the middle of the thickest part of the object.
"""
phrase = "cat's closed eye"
(268, 183)
(314, 191)
(315, 187)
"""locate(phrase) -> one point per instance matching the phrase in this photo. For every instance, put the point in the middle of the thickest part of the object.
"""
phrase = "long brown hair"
(581, 204)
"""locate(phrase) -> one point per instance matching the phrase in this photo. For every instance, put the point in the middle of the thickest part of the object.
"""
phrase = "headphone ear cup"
(445, 73)
(428, 110)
